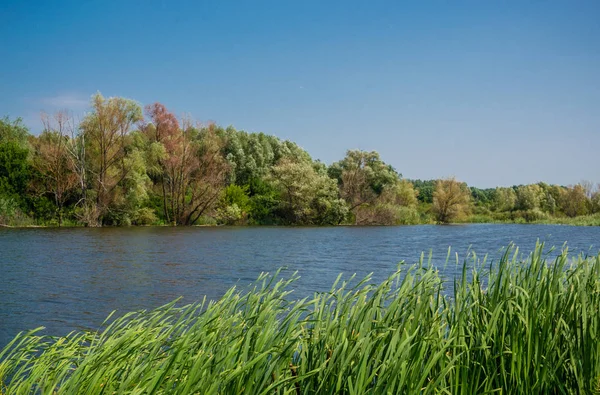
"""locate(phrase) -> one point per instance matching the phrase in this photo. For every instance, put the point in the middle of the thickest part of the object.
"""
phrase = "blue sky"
(492, 92)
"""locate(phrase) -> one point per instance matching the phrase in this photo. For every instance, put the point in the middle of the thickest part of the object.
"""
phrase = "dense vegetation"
(119, 167)
(523, 327)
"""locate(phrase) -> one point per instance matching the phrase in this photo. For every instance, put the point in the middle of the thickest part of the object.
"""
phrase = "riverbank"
(586, 220)
(529, 326)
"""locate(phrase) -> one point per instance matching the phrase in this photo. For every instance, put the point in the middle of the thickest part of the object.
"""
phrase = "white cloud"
(69, 101)
(76, 104)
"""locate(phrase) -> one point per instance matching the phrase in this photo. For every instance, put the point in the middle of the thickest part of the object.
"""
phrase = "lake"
(67, 279)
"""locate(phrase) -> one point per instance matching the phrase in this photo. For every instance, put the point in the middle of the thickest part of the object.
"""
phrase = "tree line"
(127, 165)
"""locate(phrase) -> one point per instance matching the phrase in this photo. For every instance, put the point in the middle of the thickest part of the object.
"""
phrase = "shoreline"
(299, 226)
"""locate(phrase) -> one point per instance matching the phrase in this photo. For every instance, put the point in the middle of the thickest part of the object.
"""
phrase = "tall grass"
(525, 326)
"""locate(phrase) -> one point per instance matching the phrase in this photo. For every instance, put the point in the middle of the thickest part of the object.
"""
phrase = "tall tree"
(395, 205)
(505, 199)
(167, 140)
(529, 197)
(104, 132)
(13, 131)
(14, 161)
(362, 176)
(53, 162)
(595, 200)
(307, 196)
(451, 200)
(575, 201)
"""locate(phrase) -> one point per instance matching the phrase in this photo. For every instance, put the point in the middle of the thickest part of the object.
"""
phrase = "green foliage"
(583, 220)
(11, 213)
(425, 190)
(264, 202)
(595, 202)
(14, 171)
(42, 209)
(363, 173)
(235, 194)
(532, 215)
(144, 216)
(407, 216)
(13, 131)
(234, 206)
(230, 215)
(170, 171)
(482, 196)
(528, 197)
(306, 196)
(252, 155)
(575, 202)
(525, 326)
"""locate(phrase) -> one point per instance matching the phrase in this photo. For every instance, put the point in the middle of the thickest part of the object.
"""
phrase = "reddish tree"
(165, 131)
(53, 162)
(192, 169)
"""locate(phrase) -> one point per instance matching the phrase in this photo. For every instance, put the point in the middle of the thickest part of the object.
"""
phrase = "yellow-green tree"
(451, 200)
(575, 201)
(105, 130)
(395, 205)
(505, 199)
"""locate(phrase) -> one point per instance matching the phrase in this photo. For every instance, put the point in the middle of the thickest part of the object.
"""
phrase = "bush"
(11, 214)
(144, 216)
(229, 215)
(532, 215)
(407, 216)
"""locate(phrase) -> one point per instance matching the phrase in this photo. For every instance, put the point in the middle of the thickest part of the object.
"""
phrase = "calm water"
(66, 279)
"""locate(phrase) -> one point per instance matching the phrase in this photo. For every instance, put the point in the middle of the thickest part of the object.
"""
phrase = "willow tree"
(307, 194)
(362, 177)
(575, 202)
(104, 132)
(397, 204)
(451, 200)
(505, 199)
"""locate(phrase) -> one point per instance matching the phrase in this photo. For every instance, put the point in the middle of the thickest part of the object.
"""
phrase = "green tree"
(505, 199)
(424, 190)
(104, 131)
(264, 202)
(575, 201)
(395, 205)
(14, 170)
(362, 176)
(528, 197)
(234, 205)
(13, 131)
(251, 155)
(595, 200)
(306, 196)
(482, 197)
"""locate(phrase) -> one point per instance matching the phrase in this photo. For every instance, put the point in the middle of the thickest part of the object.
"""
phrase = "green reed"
(517, 326)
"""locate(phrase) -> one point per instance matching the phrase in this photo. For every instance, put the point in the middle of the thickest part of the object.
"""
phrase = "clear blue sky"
(492, 92)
